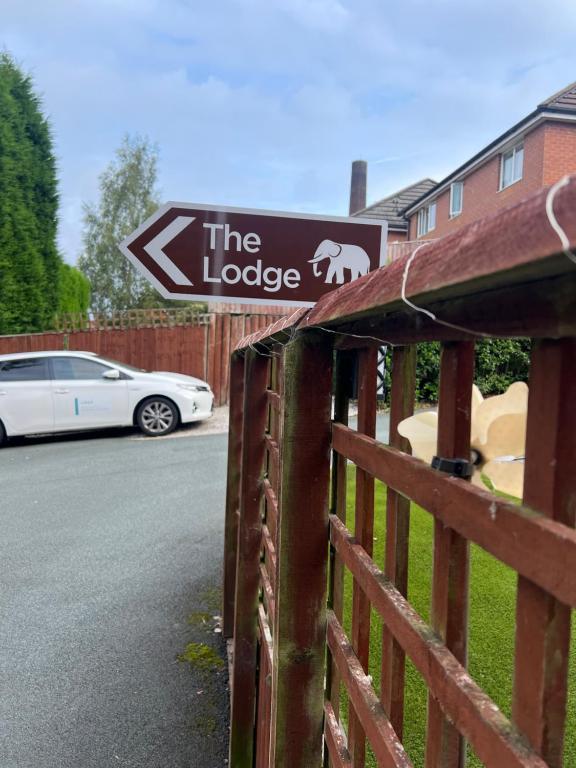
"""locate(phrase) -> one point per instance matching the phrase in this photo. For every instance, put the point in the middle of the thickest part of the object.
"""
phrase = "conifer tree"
(29, 259)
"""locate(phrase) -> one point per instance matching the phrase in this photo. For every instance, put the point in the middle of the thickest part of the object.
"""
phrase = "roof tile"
(564, 99)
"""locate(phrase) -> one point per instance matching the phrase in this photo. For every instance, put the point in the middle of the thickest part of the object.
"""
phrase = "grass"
(491, 627)
(201, 657)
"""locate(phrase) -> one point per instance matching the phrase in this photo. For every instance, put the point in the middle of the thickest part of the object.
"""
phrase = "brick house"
(532, 154)
(391, 208)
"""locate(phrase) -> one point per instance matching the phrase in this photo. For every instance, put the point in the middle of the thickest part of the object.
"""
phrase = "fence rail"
(288, 546)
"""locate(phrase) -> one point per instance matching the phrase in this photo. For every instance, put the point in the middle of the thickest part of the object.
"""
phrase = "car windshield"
(115, 363)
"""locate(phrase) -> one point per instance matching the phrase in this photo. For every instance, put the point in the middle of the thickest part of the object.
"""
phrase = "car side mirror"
(113, 374)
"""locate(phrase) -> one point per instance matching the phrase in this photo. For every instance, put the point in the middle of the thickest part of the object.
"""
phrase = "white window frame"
(454, 213)
(511, 153)
(426, 220)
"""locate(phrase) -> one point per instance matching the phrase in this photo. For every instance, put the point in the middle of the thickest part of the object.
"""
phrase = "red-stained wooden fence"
(288, 543)
(199, 348)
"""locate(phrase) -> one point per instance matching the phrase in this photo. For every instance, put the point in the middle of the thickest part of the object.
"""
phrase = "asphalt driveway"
(110, 566)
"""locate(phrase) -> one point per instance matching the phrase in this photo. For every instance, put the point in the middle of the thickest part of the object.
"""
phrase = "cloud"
(264, 103)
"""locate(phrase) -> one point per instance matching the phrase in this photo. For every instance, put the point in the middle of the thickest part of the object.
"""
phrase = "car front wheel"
(157, 416)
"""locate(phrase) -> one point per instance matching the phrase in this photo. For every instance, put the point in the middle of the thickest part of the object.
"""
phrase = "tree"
(74, 294)
(127, 197)
(29, 259)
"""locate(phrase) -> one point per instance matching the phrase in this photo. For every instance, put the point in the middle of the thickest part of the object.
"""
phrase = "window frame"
(453, 213)
(511, 153)
(432, 207)
(423, 219)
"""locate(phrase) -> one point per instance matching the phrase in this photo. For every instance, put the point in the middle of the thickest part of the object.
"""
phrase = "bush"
(498, 363)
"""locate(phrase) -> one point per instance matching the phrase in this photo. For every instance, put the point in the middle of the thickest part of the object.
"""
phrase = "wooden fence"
(200, 346)
(288, 543)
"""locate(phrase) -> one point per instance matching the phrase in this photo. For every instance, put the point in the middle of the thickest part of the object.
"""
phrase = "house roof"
(564, 99)
(561, 105)
(390, 208)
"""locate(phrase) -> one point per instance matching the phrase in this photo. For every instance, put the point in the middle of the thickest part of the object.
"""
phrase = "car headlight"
(194, 387)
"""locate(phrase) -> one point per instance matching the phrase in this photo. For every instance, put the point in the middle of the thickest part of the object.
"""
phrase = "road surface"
(110, 563)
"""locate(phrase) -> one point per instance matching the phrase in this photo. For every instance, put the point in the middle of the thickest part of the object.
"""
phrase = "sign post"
(201, 253)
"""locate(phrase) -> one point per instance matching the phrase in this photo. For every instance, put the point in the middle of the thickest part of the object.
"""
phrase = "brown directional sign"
(199, 252)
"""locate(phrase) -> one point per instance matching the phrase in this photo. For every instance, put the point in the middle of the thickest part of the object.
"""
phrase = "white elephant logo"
(342, 256)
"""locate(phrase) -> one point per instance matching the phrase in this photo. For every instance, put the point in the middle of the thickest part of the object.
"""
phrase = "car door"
(83, 399)
(25, 396)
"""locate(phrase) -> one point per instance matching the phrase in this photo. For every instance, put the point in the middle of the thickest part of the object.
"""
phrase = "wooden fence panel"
(496, 277)
(201, 349)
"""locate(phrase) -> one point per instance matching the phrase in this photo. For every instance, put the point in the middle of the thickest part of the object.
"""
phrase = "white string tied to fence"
(568, 252)
(427, 312)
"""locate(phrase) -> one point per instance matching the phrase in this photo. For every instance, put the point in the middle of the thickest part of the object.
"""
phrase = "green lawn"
(491, 628)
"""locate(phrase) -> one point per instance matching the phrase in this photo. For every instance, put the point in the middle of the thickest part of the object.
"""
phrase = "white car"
(42, 392)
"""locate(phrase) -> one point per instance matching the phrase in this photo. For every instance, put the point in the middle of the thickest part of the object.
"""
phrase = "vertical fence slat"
(445, 748)
(242, 711)
(543, 623)
(233, 492)
(218, 324)
(225, 354)
(364, 532)
(278, 370)
(300, 624)
(210, 350)
(264, 694)
(344, 376)
(397, 535)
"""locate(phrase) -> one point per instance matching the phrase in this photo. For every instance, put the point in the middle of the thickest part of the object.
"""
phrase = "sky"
(265, 103)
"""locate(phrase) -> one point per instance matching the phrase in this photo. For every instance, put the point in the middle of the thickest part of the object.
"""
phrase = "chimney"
(358, 186)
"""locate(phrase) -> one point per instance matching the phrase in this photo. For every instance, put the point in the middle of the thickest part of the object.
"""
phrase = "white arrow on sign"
(155, 248)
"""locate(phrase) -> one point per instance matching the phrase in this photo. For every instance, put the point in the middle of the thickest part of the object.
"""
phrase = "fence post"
(243, 704)
(445, 747)
(397, 535)
(542, 622)
(233, 492)
(300, 622)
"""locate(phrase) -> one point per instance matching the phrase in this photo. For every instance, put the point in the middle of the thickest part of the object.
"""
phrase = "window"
(115, 363)
(77, 368)
(426, 219)
(511, 166)
(456, 193)
(31, 369)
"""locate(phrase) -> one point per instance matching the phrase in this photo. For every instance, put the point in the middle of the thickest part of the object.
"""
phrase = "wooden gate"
(290, 554)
